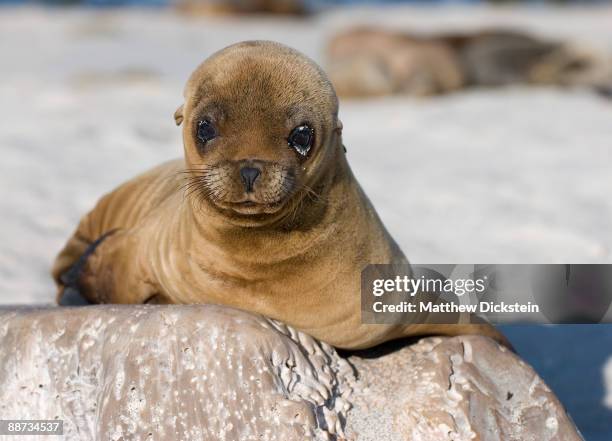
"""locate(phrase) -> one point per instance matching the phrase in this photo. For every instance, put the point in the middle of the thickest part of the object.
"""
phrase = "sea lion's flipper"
(71, 277)
(118, 269)
(110, 270)
(72, 297)
(121, 210)
(70, 294)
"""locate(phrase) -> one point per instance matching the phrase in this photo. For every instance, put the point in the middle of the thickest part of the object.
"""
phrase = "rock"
(461, 388)
(214, 373)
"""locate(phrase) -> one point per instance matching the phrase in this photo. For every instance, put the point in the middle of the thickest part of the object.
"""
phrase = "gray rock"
(213, 373)
(461, 388)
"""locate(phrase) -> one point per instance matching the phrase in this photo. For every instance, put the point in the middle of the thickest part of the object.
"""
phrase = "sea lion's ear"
(338, 130)
(178, 115)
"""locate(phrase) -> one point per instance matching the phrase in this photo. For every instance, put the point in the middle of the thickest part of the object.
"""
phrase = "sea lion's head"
(260, 129)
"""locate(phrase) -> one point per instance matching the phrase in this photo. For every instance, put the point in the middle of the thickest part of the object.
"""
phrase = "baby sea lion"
(263, 212)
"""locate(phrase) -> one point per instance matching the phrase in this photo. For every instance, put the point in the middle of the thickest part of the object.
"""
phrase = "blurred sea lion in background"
(375, 62)
(262, 214)
(240, 7)
(369, 62)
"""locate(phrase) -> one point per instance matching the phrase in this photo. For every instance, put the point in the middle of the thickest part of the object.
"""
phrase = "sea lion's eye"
(206, 131)
(301, 139)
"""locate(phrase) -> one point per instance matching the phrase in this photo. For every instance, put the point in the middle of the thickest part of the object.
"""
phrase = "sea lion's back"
(125, 206)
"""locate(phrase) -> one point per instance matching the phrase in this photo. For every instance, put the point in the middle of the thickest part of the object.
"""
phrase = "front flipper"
(110, 270)
(71, 294)
(72, 297)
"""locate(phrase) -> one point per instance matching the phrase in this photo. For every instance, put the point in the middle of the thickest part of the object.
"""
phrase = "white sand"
(515, 175)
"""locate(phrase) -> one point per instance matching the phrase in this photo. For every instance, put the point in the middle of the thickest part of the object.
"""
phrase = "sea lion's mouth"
(246, 204)
(250, 207)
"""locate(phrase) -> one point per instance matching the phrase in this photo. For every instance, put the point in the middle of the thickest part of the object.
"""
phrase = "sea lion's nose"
(249, 175)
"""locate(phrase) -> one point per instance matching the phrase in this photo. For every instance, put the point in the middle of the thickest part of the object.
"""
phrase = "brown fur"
(295, 255)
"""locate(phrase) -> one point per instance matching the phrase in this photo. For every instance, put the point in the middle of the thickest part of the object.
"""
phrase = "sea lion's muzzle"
(248, 186)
